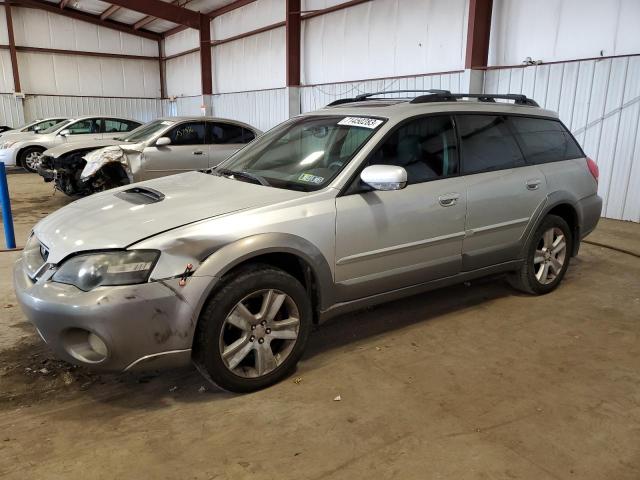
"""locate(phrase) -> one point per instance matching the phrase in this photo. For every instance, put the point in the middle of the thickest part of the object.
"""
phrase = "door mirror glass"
(384, 177)
(163, 141)
(65, 133)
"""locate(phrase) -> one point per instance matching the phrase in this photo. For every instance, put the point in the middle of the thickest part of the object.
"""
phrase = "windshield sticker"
(363, 122)
(307, 177)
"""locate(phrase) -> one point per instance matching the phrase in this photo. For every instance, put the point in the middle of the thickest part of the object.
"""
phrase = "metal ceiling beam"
(292, 34)
(12, 48)
(212, 14)
(85, 17)
(478, 33)
(166, 11)
(150, 18)
(109, 11)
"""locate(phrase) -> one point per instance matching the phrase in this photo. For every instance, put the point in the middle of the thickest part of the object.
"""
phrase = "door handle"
(533, 184)
(449, 199)
(198, 152)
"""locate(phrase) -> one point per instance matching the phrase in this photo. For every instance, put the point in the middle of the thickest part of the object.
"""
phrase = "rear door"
(503, 192)
(187, 151)
(224, 139)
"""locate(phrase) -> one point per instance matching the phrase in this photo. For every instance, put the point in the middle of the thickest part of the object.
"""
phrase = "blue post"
(7, 218)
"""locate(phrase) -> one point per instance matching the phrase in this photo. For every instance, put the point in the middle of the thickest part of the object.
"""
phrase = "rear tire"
(547, 259)
(253, 330)
(30, 157)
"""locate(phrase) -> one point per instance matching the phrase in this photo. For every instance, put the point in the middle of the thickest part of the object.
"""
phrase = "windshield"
(55, 127)
(146, 131)
(302, 154)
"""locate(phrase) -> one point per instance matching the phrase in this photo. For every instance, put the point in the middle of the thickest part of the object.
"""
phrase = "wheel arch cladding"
(565, 206)
(290, 253)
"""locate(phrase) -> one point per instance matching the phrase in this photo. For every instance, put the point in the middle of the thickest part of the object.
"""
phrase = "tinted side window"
(190, 133)
(223, 133)
(112, 126)
(544, 140)
(487, 143)
(426, 148)
(90, 125)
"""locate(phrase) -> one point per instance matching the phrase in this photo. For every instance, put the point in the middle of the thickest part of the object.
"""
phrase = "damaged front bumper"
(115, 328)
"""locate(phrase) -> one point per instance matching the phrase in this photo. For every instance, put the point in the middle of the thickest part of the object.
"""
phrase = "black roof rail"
(482, 97)
(367, 96)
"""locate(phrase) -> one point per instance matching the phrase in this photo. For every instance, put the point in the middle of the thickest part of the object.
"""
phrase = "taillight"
(593, 168)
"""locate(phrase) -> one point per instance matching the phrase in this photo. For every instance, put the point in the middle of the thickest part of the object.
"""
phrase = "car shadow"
(160, 389)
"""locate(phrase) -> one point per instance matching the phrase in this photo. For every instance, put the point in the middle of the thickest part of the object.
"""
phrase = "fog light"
(85, 346)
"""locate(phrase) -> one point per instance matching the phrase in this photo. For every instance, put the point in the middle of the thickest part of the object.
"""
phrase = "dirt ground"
(473, 382)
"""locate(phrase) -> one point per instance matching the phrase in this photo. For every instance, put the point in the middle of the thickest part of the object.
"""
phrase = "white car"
(25, 149)
(35, 126)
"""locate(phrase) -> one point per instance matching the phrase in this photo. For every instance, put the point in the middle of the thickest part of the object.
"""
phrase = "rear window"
(544, 140)
(487, 143)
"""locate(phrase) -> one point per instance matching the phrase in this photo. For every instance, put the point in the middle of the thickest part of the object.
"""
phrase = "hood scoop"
(140, 195)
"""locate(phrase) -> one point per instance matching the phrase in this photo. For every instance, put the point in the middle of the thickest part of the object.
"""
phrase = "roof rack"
(367, 96)
(434, 95)
(447, 96)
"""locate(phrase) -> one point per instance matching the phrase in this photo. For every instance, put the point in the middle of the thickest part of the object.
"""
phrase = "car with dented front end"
(365, 201)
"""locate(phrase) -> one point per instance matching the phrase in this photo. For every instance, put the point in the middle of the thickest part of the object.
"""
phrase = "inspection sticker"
(360, 122)
(307, 177)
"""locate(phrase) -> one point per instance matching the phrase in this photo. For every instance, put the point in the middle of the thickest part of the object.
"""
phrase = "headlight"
(6, 145)
(92, 270)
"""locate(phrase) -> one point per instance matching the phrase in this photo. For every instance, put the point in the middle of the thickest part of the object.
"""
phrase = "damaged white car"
(163, 147)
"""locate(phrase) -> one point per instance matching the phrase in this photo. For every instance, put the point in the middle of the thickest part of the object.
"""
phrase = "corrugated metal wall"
(599, 100)
(141, 109)
(11, 112)
(314, 97)
(263, 109)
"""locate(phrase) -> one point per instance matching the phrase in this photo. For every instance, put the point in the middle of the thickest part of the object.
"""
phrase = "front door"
(82, 130)
(392, 239)
(187, 151)
(503, 193)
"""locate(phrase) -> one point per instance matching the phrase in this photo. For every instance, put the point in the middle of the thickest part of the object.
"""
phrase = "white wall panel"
(183, 106)
(183, 75)
(95, 76)
(600, 102)
(181, 42)
(38, 28)
(263, 109)
(252, 63)
(11, 111)
(141, 109)
(553, 30)
(4, 33)
(6, 72)
(318, 96)
(256, 15)
(385, 38)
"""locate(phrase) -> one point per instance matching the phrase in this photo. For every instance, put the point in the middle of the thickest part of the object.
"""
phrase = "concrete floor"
(474, 382)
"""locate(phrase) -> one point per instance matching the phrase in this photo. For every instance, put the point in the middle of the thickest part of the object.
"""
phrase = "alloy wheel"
(550, 255)
(259, 333)
(32, 160)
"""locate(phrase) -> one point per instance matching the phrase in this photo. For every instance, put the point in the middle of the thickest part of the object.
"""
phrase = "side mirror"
(65, 133)
(384, 177)
(36, 129)
(163, 141)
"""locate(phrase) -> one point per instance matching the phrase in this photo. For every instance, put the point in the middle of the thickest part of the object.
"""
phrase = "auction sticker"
(363, 122)
(307, 177)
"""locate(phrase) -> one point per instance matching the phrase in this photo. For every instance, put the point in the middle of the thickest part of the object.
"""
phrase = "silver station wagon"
(365, 201)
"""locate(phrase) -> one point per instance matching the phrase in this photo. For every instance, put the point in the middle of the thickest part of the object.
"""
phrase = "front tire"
(253, 330)
(30, 158)
(548, 256)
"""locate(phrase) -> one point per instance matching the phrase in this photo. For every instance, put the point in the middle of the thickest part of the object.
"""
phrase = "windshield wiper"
(247, 175)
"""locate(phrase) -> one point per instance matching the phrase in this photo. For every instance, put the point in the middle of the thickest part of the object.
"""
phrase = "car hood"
(117, 219)
(65, 148)
(19, 136)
